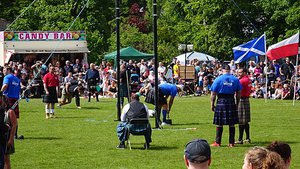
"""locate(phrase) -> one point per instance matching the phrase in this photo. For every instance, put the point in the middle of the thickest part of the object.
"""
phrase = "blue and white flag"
(255, 47)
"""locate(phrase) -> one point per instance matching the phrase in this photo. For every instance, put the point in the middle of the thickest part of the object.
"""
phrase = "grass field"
(86, 138)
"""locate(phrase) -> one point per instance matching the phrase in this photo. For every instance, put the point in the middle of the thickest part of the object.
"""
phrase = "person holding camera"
(92, 78)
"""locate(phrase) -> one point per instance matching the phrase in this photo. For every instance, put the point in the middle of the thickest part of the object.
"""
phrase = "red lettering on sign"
(47, 35)
(55, 35)
(69, 35)
(27, 36)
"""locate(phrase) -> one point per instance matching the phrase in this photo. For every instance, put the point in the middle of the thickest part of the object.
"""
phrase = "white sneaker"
(78, 107)
(165, 124)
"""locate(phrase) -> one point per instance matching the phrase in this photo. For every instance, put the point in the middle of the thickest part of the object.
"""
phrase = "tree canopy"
(212, 26)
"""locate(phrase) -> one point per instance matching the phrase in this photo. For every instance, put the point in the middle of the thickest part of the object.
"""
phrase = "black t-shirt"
(287, 69)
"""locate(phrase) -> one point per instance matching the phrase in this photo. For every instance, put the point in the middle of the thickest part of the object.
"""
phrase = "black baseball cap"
(197, 151)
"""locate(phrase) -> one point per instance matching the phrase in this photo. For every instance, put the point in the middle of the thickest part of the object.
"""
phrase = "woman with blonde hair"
(261, 158)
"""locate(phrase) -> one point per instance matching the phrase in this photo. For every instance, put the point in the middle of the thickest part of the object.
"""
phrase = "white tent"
(194, 55)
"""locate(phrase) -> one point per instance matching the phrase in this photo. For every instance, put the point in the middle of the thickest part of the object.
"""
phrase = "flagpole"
(295, 77)
(295, 80)
(266, 65)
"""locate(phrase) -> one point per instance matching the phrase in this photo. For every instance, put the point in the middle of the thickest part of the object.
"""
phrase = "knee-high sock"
(164, 112)
(219, 131)
(241, 131)
(247, 131)
(16, 133)
(97, 97)
(90, 94)
(231, 134)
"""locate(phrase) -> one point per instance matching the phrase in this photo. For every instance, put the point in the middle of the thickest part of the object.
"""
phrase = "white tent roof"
(194, 55)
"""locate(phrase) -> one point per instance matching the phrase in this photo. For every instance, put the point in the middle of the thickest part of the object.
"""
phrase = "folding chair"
(136, 122)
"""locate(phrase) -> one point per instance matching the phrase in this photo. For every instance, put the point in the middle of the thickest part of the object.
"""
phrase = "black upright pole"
(117, 2)
(157, 110)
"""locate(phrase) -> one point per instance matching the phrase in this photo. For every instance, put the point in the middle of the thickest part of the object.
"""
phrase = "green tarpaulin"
(127, 54)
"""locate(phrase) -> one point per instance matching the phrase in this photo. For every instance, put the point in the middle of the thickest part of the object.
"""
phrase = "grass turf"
(86, 138)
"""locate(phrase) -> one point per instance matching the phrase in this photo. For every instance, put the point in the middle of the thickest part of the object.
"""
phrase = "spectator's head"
(92, 66)
(77, 61)
(197, 154)
(68, 63)
(283, 149)
(261, 158)
(274, 62)
(287, 60)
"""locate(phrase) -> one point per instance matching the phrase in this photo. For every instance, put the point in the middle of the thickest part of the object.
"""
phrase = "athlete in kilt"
(165, 91)
(51, 84)
(244, 106)
(11, 88)
(92, 78)
(225, 87)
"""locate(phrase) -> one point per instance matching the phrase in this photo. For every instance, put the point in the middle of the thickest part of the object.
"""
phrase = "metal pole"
(117, 3)
(157, 110)
(295, 80)
(185, 50)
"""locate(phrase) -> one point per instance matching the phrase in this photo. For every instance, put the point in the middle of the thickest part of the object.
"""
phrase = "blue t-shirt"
(13, 89)
(168, 89)
(226, 84)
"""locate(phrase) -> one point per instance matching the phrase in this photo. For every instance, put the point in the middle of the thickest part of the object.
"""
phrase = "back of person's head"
(283, 149)
(197, 154)
(135, 96)
(261, 158)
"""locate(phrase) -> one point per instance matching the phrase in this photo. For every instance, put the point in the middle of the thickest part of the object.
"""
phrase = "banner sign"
(44, 36)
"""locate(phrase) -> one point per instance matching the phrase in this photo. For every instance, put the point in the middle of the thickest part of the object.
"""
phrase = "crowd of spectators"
(269, 80)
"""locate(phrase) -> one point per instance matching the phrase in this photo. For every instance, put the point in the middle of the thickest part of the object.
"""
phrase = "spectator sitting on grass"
(286, 92)
(283, 149)
(197, 154)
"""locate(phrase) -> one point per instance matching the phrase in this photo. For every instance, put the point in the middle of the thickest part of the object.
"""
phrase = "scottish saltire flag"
(255, 47)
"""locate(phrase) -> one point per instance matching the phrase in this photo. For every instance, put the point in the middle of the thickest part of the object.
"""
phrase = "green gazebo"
(127, 54)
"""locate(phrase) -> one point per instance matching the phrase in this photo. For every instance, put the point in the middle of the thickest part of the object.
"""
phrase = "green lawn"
(86, 138)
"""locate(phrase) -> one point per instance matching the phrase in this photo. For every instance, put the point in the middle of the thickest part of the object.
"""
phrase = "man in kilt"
(51, 84)
(167, 90)
(92, 78)
(123, 91)
(244, 106)
(225, 87)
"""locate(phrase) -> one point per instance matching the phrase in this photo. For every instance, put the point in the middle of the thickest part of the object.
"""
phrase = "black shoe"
(21, 137)
(146, 146)
(121, 146)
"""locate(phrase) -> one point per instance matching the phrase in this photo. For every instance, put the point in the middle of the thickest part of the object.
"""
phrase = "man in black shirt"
(286, 70)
